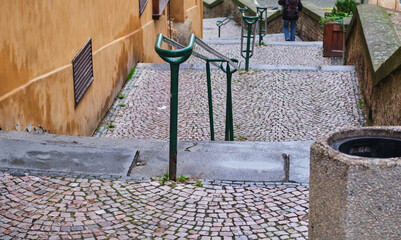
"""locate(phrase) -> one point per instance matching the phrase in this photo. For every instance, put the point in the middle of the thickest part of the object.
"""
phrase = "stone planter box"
(333, 40)
(355, 185)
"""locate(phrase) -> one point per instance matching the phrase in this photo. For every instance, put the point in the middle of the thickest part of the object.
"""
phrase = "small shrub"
(121, 105)
(121, 96)
(342, 8)
(164, 179)
(199, 183)
(182, 179)
(130, 74)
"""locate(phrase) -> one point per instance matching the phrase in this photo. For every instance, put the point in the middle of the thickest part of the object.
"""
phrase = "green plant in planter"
(342, 8)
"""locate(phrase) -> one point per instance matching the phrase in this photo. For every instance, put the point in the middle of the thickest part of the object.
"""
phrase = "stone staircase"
(290, 97)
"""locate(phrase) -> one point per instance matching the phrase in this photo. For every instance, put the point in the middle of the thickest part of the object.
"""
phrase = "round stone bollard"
(355, 185)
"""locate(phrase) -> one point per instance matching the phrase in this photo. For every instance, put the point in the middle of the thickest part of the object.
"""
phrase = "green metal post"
(174, 68)
(174, 58)
(229, 129)
(248, 47)
(229, 107)
(250, 21)
(260, 11)
(210, 99)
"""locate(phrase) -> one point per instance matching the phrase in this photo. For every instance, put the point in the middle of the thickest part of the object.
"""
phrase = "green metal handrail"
(226, 20)
(249, 21)
(262, 32)
(175, 58)
(229, 131)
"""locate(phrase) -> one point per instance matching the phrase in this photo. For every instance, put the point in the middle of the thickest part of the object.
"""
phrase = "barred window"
(142, 5)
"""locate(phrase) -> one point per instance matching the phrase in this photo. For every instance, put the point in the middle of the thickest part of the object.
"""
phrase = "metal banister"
(248, 21)
(171, 55)
(175, 58)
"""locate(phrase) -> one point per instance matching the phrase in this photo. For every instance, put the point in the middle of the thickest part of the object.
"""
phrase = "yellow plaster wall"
(39, 38)
(194, 10)
(181, 9)
(177, 8)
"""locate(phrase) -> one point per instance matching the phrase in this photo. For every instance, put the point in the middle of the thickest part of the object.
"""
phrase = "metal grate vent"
(142, 5)
(82, 67)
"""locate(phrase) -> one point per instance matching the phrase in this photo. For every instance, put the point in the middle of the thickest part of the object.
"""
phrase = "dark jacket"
(285, 9)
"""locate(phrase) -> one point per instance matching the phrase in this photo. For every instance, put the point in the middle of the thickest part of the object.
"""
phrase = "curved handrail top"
(250, 19)
(242, 10)
(224, 69)
(174, 53)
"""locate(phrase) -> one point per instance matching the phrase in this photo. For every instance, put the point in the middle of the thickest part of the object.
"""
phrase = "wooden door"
(332, 40)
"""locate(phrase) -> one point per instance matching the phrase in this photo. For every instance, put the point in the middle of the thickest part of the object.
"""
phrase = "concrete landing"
(234, 161)
(65, 157)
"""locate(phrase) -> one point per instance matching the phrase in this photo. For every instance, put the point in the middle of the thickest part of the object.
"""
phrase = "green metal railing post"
(174, 58)
(210, 99)
(229, 122)
(250, 20)
(260, 11)
(229, 130)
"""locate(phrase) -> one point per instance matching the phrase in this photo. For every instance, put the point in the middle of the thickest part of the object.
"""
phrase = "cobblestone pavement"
(233, 30)
(210, 29)
(267, 105)
(78, 208)
(272, 55)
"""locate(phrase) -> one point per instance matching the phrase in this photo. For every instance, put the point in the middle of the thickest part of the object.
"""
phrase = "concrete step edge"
(260, 67)
(237, 41)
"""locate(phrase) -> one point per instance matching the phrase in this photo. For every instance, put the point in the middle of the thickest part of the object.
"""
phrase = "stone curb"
(238, 41)
(206, 182)
(260, 67)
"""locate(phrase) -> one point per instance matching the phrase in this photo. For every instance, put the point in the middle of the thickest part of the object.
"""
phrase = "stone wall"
(218, 8)
(372, 45)
(308, 24)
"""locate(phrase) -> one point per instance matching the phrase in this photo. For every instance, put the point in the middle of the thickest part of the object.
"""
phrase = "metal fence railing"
(179, 55)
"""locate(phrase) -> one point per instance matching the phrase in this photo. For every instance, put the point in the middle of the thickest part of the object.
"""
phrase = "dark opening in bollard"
(355, 185)
(372, 147)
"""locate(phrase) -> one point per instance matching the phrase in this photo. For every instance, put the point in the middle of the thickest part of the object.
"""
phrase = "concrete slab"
(241, 161)
(235, 161)
(24, 154)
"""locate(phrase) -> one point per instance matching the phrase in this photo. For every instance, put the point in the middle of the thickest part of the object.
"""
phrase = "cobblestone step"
(277, 53)
(271, 103)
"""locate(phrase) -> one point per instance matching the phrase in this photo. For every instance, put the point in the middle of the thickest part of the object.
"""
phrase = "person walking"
(291, 9)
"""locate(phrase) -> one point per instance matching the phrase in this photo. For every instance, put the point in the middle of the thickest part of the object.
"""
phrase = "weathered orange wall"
(38, 40)
(194, 10)
(181, 9)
